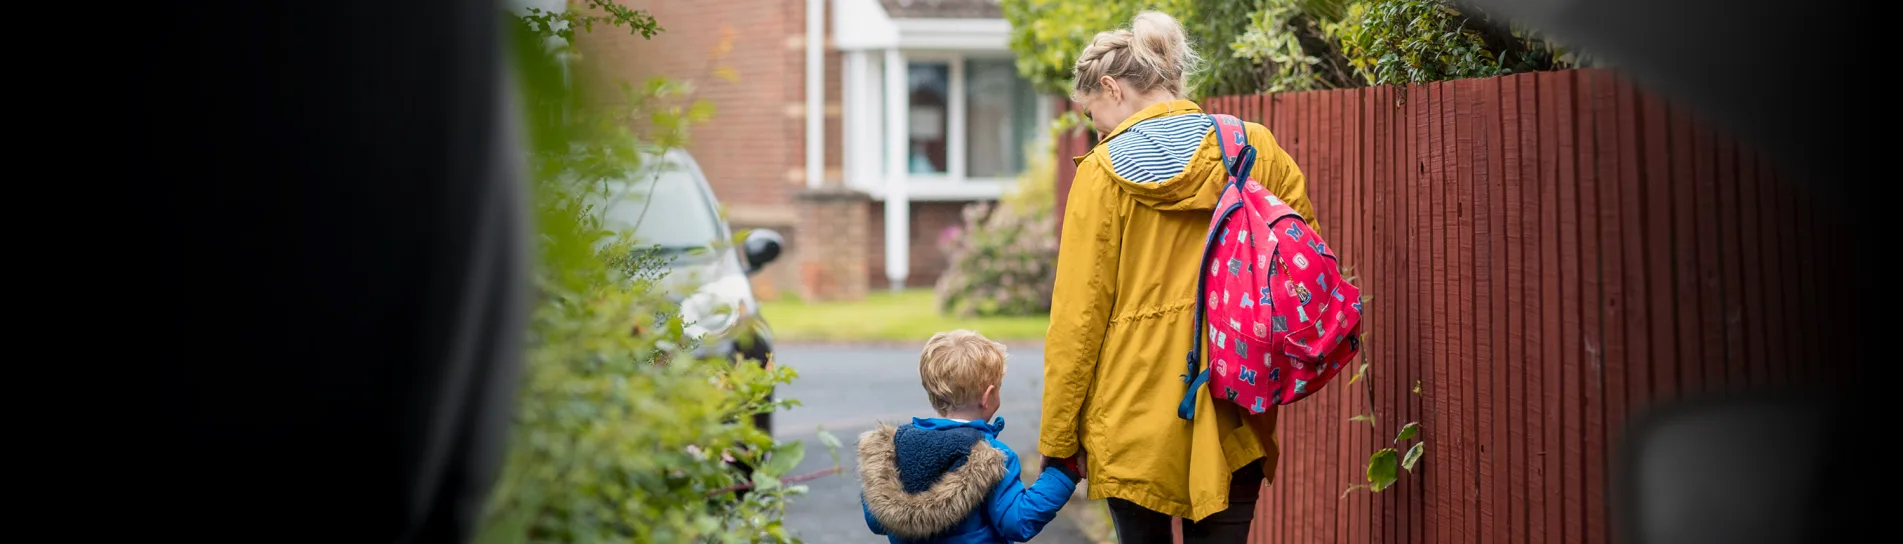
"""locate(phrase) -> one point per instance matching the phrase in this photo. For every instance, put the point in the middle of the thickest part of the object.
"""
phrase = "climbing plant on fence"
(1384, 465)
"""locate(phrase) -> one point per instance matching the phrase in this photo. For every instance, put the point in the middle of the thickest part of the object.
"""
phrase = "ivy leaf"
(1413, 456)
(1417, 387)
(1407, 431)
(1381, 469)
(1359, 372)
(1363, 417)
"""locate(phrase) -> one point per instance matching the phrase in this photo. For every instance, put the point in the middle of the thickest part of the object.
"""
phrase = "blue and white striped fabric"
(1156, 150)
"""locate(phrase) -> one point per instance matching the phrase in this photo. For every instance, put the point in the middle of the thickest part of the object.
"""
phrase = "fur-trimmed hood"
(919, 483)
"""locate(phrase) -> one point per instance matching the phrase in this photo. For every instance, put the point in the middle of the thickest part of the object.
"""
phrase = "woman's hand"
(1075, 463)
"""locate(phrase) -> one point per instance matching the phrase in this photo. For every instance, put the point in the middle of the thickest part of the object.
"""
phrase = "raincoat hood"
(1197, 187)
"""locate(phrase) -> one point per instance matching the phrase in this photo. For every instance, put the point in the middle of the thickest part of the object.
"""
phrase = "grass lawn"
(907, 317)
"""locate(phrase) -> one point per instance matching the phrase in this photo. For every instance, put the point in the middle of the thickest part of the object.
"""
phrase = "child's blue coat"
(946, 481)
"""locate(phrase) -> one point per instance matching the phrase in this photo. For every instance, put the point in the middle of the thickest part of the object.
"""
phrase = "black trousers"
(1139, 525)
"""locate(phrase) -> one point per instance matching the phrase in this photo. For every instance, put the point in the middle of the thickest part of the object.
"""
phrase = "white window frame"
(955, 183)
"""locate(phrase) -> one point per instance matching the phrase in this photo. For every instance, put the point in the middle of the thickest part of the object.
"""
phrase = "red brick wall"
(750, 114)
(927, 262)
(754, 149)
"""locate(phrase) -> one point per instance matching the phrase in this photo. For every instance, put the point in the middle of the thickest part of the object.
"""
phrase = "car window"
(670, 207)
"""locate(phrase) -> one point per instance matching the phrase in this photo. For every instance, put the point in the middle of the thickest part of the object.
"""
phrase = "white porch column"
(815, 92)
(898, 247)
(850, 116)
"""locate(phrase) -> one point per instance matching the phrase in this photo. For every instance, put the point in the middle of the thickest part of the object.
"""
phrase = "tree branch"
(788, 480)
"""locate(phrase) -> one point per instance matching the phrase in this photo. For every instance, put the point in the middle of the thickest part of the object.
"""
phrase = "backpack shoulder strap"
(1238, 157)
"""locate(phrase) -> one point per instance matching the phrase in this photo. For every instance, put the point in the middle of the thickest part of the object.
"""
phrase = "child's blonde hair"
(957, 366)
(1153, 53)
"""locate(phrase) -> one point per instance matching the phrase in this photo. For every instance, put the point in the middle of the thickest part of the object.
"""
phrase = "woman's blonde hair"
(1152, 53)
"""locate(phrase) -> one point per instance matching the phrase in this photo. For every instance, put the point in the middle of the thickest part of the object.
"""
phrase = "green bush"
(1253, 46)
(1396, 42)
(620, 433)
(1290, 40)
(1004, 256)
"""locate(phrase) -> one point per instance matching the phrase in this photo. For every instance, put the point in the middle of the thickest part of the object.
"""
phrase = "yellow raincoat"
(1120, 329)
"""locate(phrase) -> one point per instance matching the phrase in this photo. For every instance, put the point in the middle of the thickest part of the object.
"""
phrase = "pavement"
(849, 390)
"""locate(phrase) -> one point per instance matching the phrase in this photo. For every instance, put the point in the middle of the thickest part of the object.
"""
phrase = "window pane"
(1000, 117)
(927, 117)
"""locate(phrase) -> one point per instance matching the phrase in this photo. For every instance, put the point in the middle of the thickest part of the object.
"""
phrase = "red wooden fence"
(1547, 255)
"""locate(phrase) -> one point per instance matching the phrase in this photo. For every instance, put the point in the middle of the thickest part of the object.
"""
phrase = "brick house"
(890, 175)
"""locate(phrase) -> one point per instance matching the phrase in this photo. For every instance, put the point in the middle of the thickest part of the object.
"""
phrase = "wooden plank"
(1527, 420)
(1737, 362)
(1358, 255)
(1797, 249)
(1434, 412)
(1331, 427)
(1597, 167)
(1629, 296)
(1482, 94)
(1778, 249)
(1512, 365)
(1421, 370)
(1563, 320)
(1751, 221)
(1808, 316)
(1266, 114)
(1465, 407)
(1500, 369)
(1686, 335)
(1391, 373)
(1339, 400)
(1384, 367)
(1068, 144)
(1419, 255)
(1711, 293)
(1660, 296)
(1365, 507)
(1343, 244)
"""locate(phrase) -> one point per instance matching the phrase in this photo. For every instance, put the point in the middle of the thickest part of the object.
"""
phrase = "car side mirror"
(762, 247)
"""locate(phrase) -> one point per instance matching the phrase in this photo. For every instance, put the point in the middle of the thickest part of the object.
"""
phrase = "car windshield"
(666, 208)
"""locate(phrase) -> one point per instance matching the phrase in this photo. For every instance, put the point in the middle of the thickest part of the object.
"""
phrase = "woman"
(1138, 212)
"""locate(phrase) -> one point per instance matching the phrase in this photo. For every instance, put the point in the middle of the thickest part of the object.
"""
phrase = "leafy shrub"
(1004, 256)
(1252, 46)
(1395, 42)
(1290, 40)
(622, 434)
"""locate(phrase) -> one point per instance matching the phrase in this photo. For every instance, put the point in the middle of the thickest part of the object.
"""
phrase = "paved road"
(848, 391)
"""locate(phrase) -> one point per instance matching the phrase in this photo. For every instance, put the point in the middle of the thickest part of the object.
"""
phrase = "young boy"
(948, 478)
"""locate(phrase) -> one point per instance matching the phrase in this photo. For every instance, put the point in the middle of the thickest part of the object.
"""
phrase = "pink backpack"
(1281, 320)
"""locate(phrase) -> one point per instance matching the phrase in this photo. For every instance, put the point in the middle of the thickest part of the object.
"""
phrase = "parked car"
(671, 205)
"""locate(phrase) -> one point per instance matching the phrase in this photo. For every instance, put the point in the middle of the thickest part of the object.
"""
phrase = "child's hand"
(1073, 465)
